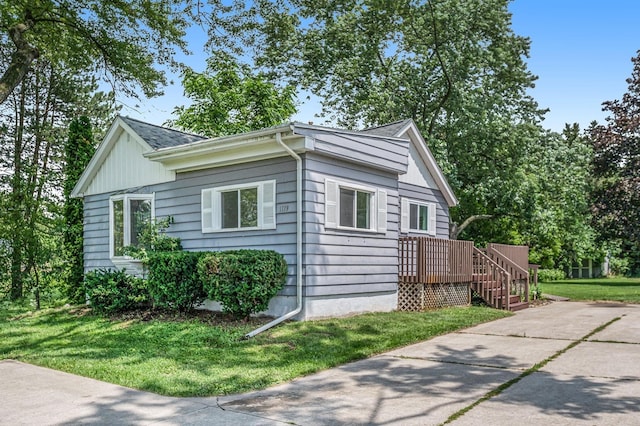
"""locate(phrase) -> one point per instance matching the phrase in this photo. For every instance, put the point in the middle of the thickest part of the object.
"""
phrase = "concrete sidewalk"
(594, 381)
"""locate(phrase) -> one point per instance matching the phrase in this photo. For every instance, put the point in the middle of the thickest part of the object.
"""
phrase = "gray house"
(333, 202)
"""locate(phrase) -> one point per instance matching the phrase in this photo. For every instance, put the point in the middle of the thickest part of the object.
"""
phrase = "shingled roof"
(391, 129)
(160, 137)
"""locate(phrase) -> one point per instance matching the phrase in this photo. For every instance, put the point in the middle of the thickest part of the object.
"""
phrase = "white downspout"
(298, 308)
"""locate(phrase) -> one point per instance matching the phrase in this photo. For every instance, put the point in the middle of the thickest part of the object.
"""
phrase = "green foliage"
(126, 41)
(547, 275)
(229, 99)
(114, 291)
(78, 151)
(244, 281)
(556, 223)
(153, 238)
(616, 169)
(174, 281)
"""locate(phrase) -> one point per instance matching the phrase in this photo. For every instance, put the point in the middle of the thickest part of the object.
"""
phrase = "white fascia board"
(101, 154)
(430, 162)
(226, 151)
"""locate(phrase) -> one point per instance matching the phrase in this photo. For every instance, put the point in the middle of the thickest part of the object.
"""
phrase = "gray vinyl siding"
(181, 200)
(429, 195)
(96, 232)
(344, 262)
(384, 153)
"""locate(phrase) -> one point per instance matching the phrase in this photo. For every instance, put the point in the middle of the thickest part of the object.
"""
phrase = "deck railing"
(515, 260)
(429, 260)
(490, 280)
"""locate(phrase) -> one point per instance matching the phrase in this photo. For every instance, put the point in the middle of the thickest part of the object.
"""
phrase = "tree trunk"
(21, 60)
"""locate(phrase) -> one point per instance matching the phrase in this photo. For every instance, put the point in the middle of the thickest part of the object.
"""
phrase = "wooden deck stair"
(499, 281)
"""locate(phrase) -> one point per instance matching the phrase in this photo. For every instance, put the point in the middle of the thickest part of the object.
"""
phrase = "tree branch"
(456, 230)
(21, 58)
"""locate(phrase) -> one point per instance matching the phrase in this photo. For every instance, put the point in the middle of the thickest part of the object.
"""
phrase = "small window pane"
(140, 215)
(118, 227)
(230, 209)
(249, 207)
(347, 198)
(424, 218)
(363, 210)
(413, 216)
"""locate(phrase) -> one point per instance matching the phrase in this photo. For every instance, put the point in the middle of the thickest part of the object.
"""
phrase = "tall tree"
(616, 166)
(228, 99)
(78, 151)
(35, 119)
(454, 66)
(124, 40)
(557, 177)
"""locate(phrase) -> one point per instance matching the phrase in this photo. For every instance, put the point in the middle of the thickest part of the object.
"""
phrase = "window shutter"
(432, 218)
(382, 210)
(268, 195)
(331, 194)
(208, 208)
(404, 215)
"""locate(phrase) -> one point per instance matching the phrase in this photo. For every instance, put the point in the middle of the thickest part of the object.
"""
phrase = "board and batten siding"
(181, 199)
(126, 167)
(429, 195)
(340, 262)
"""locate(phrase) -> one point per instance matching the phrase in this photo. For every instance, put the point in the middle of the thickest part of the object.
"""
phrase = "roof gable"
(409, 129)
(119, 161)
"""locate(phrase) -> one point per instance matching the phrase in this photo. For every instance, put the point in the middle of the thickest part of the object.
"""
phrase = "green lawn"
(191, 358)
(612, 289)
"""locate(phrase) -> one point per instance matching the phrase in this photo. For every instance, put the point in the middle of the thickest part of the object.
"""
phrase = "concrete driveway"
(563, 363)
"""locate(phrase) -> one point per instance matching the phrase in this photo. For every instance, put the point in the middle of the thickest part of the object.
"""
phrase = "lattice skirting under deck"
(418, 296)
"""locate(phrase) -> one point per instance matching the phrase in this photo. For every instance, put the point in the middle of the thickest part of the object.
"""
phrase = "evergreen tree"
(78, 151)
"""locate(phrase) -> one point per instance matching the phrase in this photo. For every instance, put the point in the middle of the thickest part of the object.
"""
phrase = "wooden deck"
(434, 272)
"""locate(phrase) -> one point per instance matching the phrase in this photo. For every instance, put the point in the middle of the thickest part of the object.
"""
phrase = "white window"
(354, 206)
(239, 207)
(128, 215)
(418, 216)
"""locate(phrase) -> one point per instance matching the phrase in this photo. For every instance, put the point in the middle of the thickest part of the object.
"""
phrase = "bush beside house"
(243, 281)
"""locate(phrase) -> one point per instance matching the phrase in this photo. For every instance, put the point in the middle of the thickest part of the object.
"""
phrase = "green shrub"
(546, 275)
(243, 281)
(173, 280)
(111, 291)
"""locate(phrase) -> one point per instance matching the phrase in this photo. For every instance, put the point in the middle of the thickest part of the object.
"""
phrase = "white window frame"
(211, 206)
(405, 217)
(125, 198)
(377, 206)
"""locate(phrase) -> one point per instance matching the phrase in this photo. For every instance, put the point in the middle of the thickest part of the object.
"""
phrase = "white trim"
(377, 206)
(213, 214)
(125, 198)
(405, 214)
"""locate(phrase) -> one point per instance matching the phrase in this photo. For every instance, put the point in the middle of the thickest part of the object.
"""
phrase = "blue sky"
(581, 51)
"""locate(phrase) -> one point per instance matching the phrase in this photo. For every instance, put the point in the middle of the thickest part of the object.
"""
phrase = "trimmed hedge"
(547, 275)
(173, 280)
(243, 281)
(111, 291)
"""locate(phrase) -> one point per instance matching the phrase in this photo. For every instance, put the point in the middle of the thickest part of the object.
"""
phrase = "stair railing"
(519, 275)
(491, 281)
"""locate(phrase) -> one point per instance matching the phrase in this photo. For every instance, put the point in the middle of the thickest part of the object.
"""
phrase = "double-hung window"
(354, 206)
(129, 214)
(239, 207)
(418, 216)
